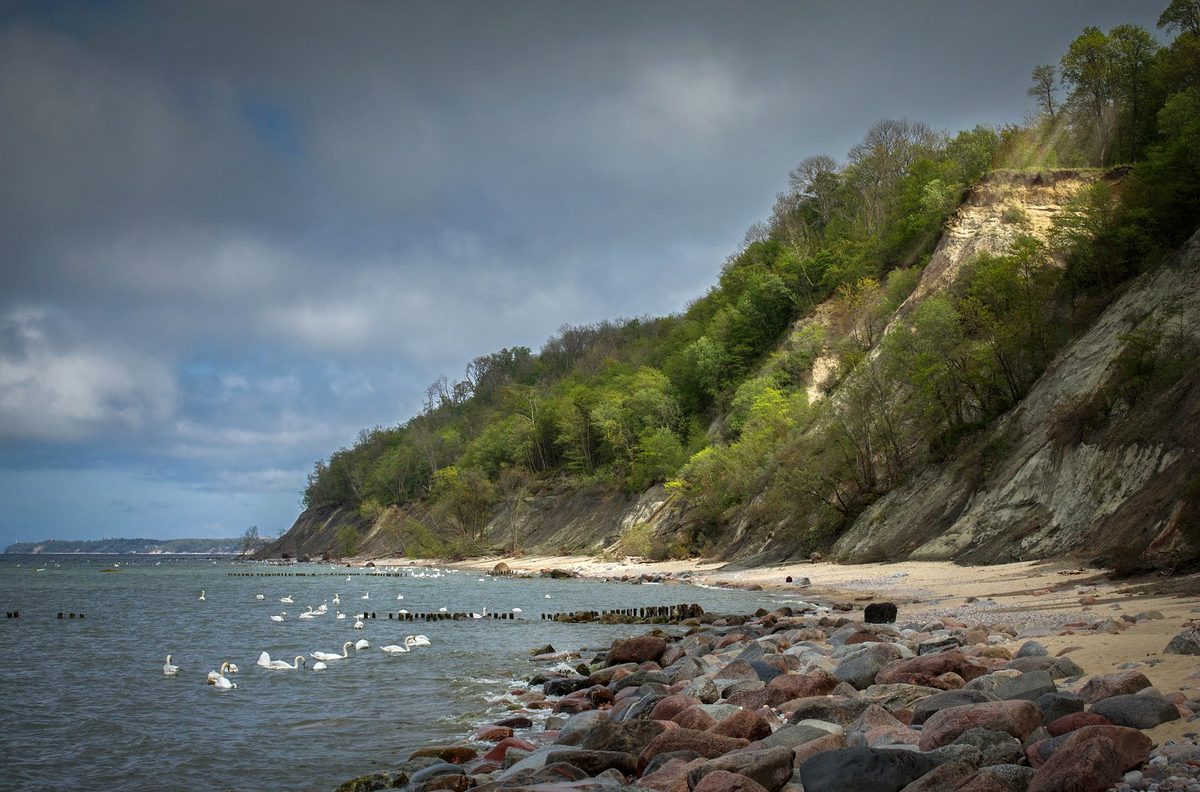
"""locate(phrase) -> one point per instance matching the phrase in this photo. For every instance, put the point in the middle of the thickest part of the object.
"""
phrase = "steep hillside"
(1081, 465)
(1086, 464)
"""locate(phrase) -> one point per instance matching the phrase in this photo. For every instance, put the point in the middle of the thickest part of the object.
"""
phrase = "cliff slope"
(1085, 463)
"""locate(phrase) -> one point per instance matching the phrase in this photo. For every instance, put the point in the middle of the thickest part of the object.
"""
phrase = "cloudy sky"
(234, 234)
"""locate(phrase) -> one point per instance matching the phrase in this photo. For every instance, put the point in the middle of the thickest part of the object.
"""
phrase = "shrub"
(637, 540)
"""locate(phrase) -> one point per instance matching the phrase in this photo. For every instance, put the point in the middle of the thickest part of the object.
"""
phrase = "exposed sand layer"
(1046, 600)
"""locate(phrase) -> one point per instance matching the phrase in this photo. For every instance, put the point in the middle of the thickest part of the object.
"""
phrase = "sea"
(84, 703)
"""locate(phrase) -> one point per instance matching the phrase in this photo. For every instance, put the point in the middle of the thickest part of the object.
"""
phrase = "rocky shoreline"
(809, 700)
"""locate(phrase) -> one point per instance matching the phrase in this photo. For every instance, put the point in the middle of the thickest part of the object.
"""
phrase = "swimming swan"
(202, 595)
(168, 669)
(361, 643)
(337, 600)
(280, 617)
(288, 600)
(259, 596)
(394, 649)
(358, 625)
(367, 595)
(319, 666)
(328, 656)
(265, 661)
(416, 640)
(217, 678)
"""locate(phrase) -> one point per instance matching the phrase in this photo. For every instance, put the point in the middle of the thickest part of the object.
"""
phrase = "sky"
(232, 235)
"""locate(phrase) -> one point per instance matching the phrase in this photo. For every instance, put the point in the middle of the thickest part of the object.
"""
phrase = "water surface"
(85, 703)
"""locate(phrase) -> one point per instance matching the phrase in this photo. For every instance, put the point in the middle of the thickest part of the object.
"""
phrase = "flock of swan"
(220, 681)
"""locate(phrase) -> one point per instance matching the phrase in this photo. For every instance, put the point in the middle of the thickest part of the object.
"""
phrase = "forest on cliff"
(729, 403)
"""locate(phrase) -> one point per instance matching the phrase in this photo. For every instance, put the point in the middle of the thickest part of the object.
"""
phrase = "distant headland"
(130, 546)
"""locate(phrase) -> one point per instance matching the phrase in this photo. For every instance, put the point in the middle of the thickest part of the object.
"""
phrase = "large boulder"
(770, 767)
(817, 682)
(746, 724)
(1018, 718)
(835, 709)
(1143, 710)
(858, 769)
(880, 613)
(708, 745)
(627, 737)
(996, 747)
(1075, 720)
(1091, 759)
(927, 706)
(1186, 643)
(928, 669)
(1105, 686)
(639, 649)
(596, 762)
(724, 781)
(860, 670)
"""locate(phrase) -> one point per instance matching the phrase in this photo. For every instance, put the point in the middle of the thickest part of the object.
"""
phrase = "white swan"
(517, 610)
(416, 640)
(168, 669)
(399, 596)
(259, 597)
(442, 610)
(367, 595)
(341, 615)
(358, 625)
(479, 615)
(361, 643)
(319, 666)
(288, 600)
(337, 600)
(265, 661)
(308, 614)
(280, 617)
(217, 678)
(327, 656)
(394, 649)
(202, 595)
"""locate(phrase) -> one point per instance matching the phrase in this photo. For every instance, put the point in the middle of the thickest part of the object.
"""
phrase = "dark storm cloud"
(231, 234)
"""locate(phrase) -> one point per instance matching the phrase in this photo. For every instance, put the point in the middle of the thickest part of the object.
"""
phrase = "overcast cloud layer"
(234, 234)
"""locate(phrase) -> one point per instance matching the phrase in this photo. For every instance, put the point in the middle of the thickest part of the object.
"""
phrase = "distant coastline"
(230, 546)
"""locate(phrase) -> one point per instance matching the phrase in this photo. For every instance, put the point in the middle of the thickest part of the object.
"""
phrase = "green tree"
(1133, 51)
(1087, 68)
(251, 541)
(464, 496)
(1045, 78)
(1181, 16)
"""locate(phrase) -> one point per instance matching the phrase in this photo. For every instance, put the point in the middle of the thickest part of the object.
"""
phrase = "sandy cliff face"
(1119, 493)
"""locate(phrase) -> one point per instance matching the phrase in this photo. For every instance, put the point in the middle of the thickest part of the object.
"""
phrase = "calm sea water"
(84, 704)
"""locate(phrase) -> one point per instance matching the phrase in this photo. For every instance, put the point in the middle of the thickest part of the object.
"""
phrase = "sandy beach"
(1054, 601)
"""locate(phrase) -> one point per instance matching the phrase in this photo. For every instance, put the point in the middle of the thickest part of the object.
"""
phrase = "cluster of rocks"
(800, 703)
